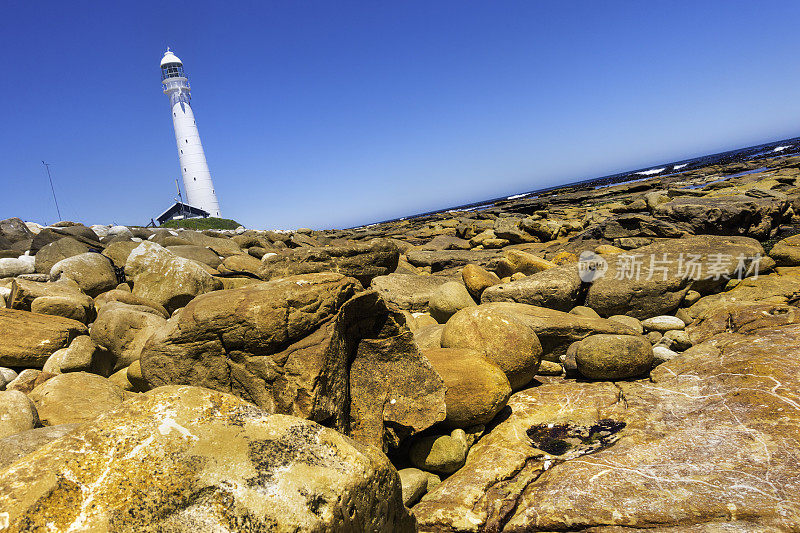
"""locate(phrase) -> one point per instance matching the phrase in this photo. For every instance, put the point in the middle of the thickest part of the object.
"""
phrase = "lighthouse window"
(181, 151)
(187, 141)
(174, 115)
(195, 179)
(184, 169)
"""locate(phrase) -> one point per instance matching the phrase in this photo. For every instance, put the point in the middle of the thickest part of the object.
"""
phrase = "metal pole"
(47, 166)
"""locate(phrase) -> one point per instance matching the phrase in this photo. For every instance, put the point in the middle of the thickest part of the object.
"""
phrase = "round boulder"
(502, 337)
(448, 299)
(75, 397)
(476, 388)
(610, 357)
(663, 323)
(91, 271)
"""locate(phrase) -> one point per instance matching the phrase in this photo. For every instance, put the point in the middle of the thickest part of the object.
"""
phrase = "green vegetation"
(202, 223)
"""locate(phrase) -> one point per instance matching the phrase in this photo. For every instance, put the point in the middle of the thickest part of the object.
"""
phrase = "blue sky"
(333, 114)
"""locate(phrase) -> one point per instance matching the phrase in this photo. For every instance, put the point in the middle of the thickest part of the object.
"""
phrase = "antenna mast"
(47, 166)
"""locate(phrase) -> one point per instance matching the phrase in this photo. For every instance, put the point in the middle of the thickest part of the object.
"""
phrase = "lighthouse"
(197, 182)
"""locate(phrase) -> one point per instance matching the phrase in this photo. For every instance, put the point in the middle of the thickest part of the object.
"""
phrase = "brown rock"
(28, 339)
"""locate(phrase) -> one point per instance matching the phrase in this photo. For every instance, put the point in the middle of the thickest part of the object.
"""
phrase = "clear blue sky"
(332, 114)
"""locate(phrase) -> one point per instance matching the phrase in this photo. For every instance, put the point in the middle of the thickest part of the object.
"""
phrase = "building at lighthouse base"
(179, 211)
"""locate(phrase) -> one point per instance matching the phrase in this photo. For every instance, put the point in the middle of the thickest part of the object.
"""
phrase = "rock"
(14, 230)
(73, 306)
(82, 355)
(126, 297)
(120, 231)
(429, 336)
(477, 279)
(27, 380)
(123, 330)
(93, 272)
(706, 427)
(633, 323)
(663, 323)
(162, 277)
(395, 392)
(35, 337)
(449, 298)
(240, 265)
(581, 310)
(223, 247)
(662, 354)
(612, 357)
(556, 288)
(21, 444)
(786, 252)
(119, 251)
(503, 337)
(74, 398)
(446, 242)
(477, 389)
(24, 292)
(519, 261)
(440, 453)
(186, 458)
(136, 378)
(654, 337)
(198, 254)
(545, 230)
(726, 215)
(451, 259)
(549, 368)
(508, 228)
(17, 413)
(414, 483)
(11, 267)
(6, 376)
(363, 261)
(741, 317)
(676, 340)
(607, 249)
(654, 279)
(555, 330)
(56, 251)
(691, 298)
(284, 345)
(407, 291)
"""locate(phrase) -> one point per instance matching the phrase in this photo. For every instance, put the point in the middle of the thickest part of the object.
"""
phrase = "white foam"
(652, 171)
(515, 196)
(781, 148)
(676, 167)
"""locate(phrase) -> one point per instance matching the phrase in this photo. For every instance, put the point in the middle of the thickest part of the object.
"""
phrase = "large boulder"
(82, 355)
(17, 413)
(16, 266)
(28, 339)
(394, 390)
(14, 230)
(786, 252)
(654, 279)
(612, 357)
(477, 389)
(726, 215)
(75, 398)
(54, 252)
(93, 272)
(118, 252)
(501, 335)
(363, 261)
(24, 292)
(191, 459)
(123, 331)
(21, 444)
(707, 444)
(477, 279)
(449, 298)
(200, 254)
(555, 288)
(163, 277)
(407, 291)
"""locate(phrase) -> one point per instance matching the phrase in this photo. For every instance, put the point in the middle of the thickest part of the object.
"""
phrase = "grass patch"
(202, 223)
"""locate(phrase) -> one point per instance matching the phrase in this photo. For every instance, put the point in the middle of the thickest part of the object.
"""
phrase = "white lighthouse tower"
(194, 168)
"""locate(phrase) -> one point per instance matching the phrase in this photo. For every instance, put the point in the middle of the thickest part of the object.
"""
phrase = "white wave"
(678, 167)
(652, 171)
(781, 148)
(515, 196)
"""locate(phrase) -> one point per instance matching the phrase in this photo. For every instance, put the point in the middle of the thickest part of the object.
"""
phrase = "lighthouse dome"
(169, 58)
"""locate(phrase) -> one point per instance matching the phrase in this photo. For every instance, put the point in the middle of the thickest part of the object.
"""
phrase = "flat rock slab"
(28, 339)
(712, 439)
(191, 459)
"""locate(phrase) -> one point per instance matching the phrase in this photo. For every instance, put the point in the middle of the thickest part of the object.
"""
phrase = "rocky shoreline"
(621, 358)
